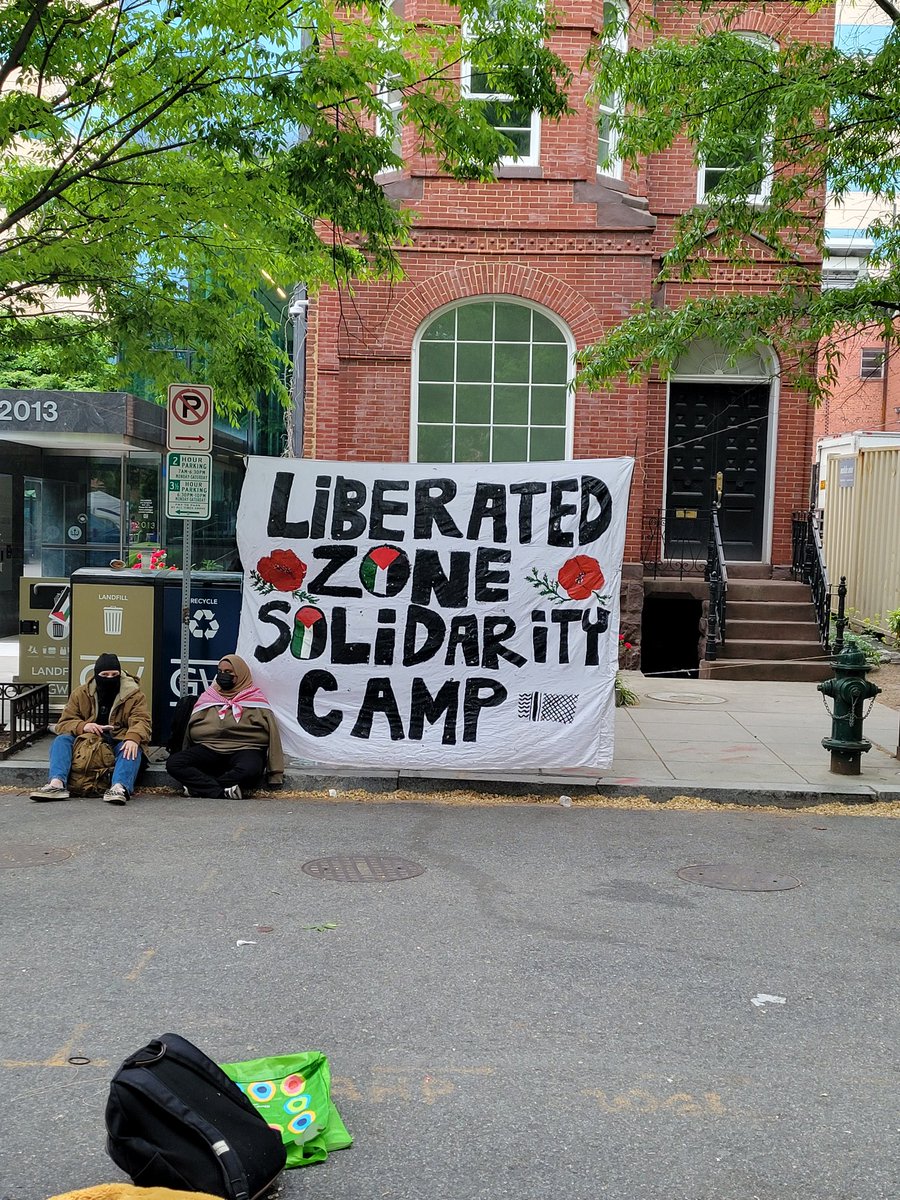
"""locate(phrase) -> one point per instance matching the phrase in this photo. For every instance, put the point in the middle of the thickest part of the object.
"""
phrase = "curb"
(300, 781)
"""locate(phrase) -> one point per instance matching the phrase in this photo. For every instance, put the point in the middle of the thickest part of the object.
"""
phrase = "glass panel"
(510, 445)
(104, 506)
(513, 323)
(549, 364)
(436, 402)
(476, 323)
(143, 505)
(479, 85)
(545, 330)
(473, 361)
(473, 443)
(511, 364)
(547, 445)
(33, 533)
(435, 443)
(473, 403)
(436, 361)
(510, 404)
(442, 329)
(712, 177)
(604, 142)
(548, 406)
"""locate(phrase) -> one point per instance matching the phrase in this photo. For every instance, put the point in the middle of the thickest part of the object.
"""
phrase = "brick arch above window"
(489, 279)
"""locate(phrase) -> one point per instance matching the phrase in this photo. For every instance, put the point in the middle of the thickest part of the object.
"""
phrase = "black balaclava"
(107, 689)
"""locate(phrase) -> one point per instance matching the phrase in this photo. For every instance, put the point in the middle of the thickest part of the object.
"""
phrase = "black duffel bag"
(174, 1119)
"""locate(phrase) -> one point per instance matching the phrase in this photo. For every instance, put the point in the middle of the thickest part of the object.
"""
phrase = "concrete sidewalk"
(754, 743)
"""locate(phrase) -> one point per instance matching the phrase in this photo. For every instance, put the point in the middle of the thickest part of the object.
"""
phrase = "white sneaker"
(49, 792)
(234, 792)
(116, 794)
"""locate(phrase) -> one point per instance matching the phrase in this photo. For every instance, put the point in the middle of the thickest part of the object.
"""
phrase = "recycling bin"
(137, 615)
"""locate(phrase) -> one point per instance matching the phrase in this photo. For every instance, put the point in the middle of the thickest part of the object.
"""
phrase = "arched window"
(751, 146)
(491, 384)
(615, 19)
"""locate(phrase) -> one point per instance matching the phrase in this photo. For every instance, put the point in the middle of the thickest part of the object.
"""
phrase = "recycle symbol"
(203, 624)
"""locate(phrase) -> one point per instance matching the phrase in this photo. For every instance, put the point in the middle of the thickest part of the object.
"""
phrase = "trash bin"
(137, 615)
(44, 636)
(215, 614)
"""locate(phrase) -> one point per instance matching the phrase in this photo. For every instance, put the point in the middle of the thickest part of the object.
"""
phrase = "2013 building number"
(26, 410)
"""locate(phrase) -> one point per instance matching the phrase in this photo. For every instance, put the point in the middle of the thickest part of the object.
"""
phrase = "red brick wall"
(857, 403)
(562, 239)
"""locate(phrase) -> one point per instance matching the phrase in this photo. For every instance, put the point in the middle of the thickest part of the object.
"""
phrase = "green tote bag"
(293, 1093)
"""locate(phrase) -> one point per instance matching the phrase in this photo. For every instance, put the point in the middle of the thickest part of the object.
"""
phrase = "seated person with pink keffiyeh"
(232, 741)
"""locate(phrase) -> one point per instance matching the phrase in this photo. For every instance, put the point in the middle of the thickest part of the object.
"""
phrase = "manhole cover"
(686, 697)
(737, 879)
(31, 856)
(362, 868)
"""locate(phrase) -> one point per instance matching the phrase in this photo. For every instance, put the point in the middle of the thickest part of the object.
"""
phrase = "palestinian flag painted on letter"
(384, 571)
(63, 605)
(310, 632)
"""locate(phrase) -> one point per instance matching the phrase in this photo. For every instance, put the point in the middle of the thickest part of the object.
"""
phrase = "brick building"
(470, 355)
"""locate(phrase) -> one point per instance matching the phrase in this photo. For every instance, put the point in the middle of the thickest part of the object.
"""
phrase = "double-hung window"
(516, 121)
(748, 147)
(609, 104)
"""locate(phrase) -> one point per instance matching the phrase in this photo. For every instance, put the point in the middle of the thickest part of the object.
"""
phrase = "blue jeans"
(124, 772)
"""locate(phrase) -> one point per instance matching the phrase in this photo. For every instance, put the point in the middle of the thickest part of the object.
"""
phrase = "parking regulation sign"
(188, 486)
(189, 422)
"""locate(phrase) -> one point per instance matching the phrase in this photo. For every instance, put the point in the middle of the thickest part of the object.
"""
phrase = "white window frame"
(533, 158)
(872, 372)
(611, 106)
(395, 107)
(761, 196)
(500, 298)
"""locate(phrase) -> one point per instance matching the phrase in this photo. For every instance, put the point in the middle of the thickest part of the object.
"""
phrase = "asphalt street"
(548, 1010)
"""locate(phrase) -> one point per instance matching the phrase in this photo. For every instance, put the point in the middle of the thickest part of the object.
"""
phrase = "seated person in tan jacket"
(232, 743)
(109, 708)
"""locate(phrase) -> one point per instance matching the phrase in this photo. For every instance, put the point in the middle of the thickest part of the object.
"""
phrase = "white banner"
(455, 616)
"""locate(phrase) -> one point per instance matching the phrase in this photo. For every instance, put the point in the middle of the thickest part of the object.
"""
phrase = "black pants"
(206, 772)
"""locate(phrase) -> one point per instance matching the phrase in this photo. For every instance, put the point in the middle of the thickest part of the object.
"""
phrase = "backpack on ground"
(93, 760)
(175, 1120)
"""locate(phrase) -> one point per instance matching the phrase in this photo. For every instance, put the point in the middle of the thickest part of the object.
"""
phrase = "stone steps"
(769, 612)
(768, 670)
(770, 633)
(771, 649)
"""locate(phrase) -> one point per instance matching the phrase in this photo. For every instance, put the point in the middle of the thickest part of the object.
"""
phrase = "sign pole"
(189, 430)
(185, 606)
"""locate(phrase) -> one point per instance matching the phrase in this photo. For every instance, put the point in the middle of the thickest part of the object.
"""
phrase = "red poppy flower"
(580, 577)
(283, 569)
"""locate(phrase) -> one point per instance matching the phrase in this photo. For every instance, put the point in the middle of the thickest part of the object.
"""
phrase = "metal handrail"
(808, 566)
(27, 707)
(666, 553)
(716, 575)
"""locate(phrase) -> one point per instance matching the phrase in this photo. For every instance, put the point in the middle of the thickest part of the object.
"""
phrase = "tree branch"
(21, 43)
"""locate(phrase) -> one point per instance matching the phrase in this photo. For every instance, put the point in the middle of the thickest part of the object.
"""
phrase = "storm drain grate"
(737, 879)
(362, 868)
(31, 856)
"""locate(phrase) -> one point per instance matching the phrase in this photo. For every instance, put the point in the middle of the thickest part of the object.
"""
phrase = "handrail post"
(712, 621)
(841, 622)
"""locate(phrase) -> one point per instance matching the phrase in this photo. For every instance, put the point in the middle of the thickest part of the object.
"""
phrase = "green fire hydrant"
(849, 689)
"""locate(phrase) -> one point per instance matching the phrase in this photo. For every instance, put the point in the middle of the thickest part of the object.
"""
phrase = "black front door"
(716, 427)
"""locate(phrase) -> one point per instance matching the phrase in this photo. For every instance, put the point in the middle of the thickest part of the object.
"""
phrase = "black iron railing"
(716, 576)
(808, 566)
(674, 542)
(24, 714)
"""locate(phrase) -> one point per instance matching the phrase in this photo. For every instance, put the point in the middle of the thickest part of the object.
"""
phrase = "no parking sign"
(189, 424)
